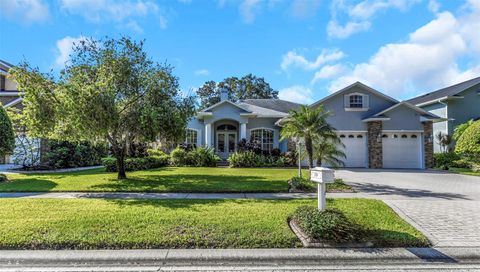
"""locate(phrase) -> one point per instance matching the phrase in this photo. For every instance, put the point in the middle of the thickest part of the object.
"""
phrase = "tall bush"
(62, 154)
(7, 135)
(469, 142)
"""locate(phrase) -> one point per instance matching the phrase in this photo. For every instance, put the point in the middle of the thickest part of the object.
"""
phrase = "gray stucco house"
(456, 104)
(378, 131)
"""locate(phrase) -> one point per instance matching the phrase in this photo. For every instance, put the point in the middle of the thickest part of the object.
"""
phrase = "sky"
(305, 49)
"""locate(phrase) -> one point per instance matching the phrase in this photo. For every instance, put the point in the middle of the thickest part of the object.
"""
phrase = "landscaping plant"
(330, 225)
(7, 135)
(468, 144)
(108, 91)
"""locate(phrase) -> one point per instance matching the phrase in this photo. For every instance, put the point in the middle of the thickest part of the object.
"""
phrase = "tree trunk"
(309, 149)
(121, 165)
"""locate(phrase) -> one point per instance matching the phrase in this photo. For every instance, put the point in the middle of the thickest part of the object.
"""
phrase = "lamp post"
(322, 176)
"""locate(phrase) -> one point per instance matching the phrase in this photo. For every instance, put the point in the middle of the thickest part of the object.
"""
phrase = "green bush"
(155, 152)
(62, 154)
(445, 160)
(298, 184)
(252, 159)
(135, 164)
(7, 135)
(329, 225)
(178, 157)
(202, 157)
(469, 142)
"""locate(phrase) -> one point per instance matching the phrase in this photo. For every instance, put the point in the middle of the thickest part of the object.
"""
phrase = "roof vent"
(223, 94)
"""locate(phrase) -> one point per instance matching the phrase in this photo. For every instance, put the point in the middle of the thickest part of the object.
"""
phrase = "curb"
(244, 256)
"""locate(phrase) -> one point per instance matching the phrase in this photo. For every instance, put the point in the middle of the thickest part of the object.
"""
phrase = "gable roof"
(262, 112)
(444, 92)
(272, 104)
(356, 84)
(223, 102)
(404, 103)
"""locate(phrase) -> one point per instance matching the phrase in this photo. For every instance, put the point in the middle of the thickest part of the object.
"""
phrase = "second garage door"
(402, 150)
(355, 149)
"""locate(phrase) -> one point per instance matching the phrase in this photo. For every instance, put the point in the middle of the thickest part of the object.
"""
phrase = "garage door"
(402, 150)
(355, 149)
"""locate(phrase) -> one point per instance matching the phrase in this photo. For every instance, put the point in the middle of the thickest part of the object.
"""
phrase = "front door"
(226, 144)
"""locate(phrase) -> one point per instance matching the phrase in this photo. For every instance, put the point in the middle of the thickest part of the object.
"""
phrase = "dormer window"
(356, 102)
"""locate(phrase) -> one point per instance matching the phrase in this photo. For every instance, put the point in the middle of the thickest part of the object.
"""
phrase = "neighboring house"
(377, 130)
(456, 104)
(10, 97)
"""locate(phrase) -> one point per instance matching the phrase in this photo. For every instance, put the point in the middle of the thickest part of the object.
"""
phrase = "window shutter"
(365, 101)
(346, 101)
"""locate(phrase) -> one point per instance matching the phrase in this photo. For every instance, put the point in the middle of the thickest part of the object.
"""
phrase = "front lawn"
(97, 223)
(169, 179)
(464, 171)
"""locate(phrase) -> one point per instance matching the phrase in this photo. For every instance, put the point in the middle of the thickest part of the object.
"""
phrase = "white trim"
(13, 103)
(359, 84)
(376, 119)
(402, 130)
(439, 100)
(411, 106)
(356, 109)
(351, 131)
(226, 132)
(10, 93)
(198, 135)
(225, 101)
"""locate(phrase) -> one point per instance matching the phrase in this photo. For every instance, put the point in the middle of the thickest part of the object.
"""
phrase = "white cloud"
(202, 72)
(297, 94)
(27, 11)
(294, 59)
(65, 48)
(433, 6)
(305, 8)
(429, 59)
(360, 15)
(329, 71)
(119, 11)
(133, 25)
(249, 9)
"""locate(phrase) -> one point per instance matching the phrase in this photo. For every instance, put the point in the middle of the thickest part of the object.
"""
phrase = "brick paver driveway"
(444, 206)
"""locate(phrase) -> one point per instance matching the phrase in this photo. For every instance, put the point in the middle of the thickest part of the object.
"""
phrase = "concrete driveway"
(444, 206)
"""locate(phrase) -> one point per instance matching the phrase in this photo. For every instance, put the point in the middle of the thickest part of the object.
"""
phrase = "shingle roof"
(273, 104)
(445, 92)
(261, 111)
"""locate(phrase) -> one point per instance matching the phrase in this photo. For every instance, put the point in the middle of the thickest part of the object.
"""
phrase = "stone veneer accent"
(375, 150)
(428, 145)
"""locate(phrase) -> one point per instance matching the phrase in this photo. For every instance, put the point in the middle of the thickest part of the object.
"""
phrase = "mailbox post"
(322, 176)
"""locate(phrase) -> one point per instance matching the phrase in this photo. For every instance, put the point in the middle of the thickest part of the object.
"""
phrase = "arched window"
(384, 136)
(264, 137)
(226, 127)
(191, 137)
(351, 136)
(404, 136)
(413, 136)
(359, 136)
(342, 136)
(395, 136)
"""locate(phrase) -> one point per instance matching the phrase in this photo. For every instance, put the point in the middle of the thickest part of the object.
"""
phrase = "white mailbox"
(322, 176)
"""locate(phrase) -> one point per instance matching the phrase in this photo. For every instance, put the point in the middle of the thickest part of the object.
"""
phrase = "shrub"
(7, 135)
(135, 164)
(298, 184)
(3, 177)
(64, 154)
(202, 157)
(445, 160)
(252, 159)
(469, 142)
(290, 158)
(155, 152)
(178, 157)
(328, 225)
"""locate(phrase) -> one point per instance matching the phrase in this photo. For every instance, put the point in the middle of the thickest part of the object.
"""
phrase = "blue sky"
(306, 49)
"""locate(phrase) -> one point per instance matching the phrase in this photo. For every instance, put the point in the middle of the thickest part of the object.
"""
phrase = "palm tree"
(308, 124)
(327, 151)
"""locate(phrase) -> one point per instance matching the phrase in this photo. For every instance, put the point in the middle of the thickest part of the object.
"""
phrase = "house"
(10, 98)
(377, 130)
(456, 104)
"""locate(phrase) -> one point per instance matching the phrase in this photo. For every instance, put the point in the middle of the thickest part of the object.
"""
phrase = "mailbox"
(322, 176)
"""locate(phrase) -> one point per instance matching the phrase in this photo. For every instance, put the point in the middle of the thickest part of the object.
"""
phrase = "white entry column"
(208, 135)
(243, 131)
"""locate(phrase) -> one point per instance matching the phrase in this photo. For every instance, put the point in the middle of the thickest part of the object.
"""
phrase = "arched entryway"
(226, 137)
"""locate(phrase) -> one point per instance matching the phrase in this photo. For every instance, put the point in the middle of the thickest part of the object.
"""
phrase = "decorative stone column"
(428, 143)
(375, 150)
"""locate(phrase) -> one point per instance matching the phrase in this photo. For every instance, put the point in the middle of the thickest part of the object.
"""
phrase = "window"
(2, 83)
(384, 136)
(351, 136)
(404, 136)
(342, 136)
(191, 137)
(413, 136)
(226, 127)
(356, 101)
(359, 136)
(264, 137)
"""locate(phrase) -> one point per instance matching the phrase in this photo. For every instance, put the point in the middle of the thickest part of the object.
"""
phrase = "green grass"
(169, 179)
(96, 223)
(464, 171)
